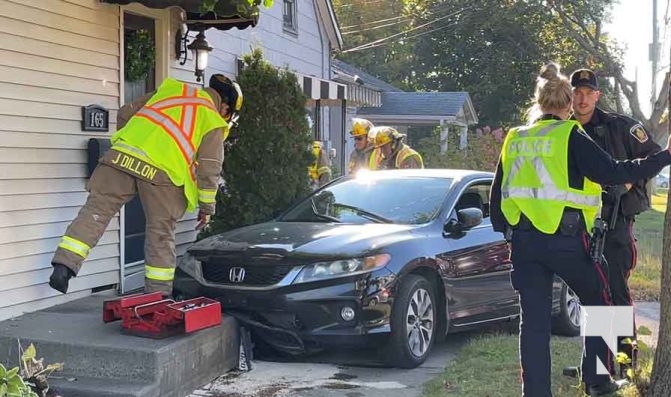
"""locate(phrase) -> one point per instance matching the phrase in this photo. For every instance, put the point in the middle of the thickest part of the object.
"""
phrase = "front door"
(139, 79)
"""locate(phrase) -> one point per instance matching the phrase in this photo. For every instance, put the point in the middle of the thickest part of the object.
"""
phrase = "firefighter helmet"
(380, 136)
(360, 127)
(229, 90)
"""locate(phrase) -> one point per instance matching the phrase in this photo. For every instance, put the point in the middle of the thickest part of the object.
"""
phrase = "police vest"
(168, 130)
(535, 177)
(405, 153)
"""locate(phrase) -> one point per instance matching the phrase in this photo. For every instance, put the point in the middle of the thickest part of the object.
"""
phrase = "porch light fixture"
(200, 50)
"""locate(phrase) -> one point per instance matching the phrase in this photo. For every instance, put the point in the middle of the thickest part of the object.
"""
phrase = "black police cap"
(584, 78)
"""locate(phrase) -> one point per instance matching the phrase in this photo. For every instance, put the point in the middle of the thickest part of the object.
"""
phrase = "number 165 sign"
(95, 118)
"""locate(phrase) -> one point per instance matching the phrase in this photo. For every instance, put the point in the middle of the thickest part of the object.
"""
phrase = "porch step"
(86, 387)
(102, 359)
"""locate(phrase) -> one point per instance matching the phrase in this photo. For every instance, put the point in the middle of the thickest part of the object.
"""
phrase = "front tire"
(567, 322)
(413, 323)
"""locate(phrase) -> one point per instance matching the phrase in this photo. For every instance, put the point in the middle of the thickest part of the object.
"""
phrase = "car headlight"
(191, 266)
(341, 268)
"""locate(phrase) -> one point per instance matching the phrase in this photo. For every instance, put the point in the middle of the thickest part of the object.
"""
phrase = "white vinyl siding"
(55, 57)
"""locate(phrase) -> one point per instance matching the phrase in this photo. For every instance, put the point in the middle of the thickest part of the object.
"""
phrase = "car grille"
(254, 275)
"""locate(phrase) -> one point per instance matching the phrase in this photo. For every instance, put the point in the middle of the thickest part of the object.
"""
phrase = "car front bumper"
(297, 317)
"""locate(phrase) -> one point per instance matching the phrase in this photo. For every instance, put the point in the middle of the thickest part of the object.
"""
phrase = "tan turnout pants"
(109, 189)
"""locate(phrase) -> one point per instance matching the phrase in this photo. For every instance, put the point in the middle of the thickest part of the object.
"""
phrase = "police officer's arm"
(128, 110)
(640, 145)
(495, 214)
(597, 165)
(210, 162)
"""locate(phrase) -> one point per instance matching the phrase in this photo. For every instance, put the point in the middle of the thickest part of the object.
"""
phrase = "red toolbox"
(152, 316)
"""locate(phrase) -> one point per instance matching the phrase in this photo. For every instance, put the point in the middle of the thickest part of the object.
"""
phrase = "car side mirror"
(467, 218)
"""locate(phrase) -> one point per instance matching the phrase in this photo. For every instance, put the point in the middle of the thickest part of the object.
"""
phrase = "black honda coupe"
(398, 258)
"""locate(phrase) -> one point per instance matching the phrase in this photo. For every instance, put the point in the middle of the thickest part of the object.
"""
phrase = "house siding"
(46, 74)
(59, 55)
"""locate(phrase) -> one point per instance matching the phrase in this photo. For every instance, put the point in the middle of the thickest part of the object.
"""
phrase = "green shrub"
(266, 168)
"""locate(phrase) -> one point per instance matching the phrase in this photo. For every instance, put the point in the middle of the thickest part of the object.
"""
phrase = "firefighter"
(393, 153)
(544, 198)
(362, 157)
(169, 150)
(319, 172)
(624, 139)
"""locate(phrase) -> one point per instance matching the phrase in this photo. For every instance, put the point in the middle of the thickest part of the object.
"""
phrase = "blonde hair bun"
(550, 71)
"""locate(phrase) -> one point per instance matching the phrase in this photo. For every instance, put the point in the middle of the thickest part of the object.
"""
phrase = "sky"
(632, 25)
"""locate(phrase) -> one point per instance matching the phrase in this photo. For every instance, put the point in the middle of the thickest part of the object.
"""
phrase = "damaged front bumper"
(351, 311)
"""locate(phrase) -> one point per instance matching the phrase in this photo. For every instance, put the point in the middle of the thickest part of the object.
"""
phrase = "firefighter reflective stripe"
(135, 150)
(159, 273)
(207, 196)
(179, 101)
(549, 190)
(75, 246)
(172, 129)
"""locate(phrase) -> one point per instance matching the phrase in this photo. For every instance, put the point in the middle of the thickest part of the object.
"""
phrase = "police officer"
(169, 150)
(624, 139)
(362, 157)
(545, 191)
(392, 153)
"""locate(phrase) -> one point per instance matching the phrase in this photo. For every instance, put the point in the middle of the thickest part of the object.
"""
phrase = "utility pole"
(654, 55)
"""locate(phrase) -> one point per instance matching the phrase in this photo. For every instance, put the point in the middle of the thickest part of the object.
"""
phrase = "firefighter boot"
(60, 277)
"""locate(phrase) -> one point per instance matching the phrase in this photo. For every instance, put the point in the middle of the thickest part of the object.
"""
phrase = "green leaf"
(643, 330)
(3, 389)
(29, 353)
(623, 358)
(642, 346)
(3, 371)
(12, 372)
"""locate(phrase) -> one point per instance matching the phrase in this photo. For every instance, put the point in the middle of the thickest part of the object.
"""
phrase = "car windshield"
(402, 200)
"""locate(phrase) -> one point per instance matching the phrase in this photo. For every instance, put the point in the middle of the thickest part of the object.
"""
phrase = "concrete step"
(87, 387)
(98, 354)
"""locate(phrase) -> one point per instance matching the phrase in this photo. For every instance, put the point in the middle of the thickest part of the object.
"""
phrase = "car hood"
(296, 238)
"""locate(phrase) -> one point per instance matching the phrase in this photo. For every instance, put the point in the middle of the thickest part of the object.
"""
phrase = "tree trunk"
(660, 382)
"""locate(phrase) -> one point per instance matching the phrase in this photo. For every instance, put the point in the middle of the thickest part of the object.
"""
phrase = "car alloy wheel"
(567, 322)
(420, 322)
(573, 307)
(413, 323)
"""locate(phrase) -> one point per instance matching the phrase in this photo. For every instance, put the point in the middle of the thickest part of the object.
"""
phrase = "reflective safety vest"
(375, 160)
(405, 153)
(535, 177)
(168, 131)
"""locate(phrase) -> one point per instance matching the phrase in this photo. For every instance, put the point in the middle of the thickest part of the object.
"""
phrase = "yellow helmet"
(360, 127)
(379, 136)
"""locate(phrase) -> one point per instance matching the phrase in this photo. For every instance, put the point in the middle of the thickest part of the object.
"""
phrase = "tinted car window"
(407, 200)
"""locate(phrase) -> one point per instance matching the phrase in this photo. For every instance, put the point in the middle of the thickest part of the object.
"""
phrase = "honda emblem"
(236, 274)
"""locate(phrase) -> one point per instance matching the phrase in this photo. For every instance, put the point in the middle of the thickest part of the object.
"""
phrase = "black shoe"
(605, 388)
(60, 277)
(571, 372)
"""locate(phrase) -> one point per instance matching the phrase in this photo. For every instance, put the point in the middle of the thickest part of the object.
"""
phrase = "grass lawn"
(488, 366)
(648, 228)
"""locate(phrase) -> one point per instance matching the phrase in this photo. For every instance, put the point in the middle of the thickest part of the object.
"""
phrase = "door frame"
(162, 20)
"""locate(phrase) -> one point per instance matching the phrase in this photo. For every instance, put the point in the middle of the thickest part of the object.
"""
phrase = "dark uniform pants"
(109, 189)
(536, 258)
(620, 253)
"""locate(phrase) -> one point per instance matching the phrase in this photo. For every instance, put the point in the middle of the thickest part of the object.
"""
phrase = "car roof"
(456, 174)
